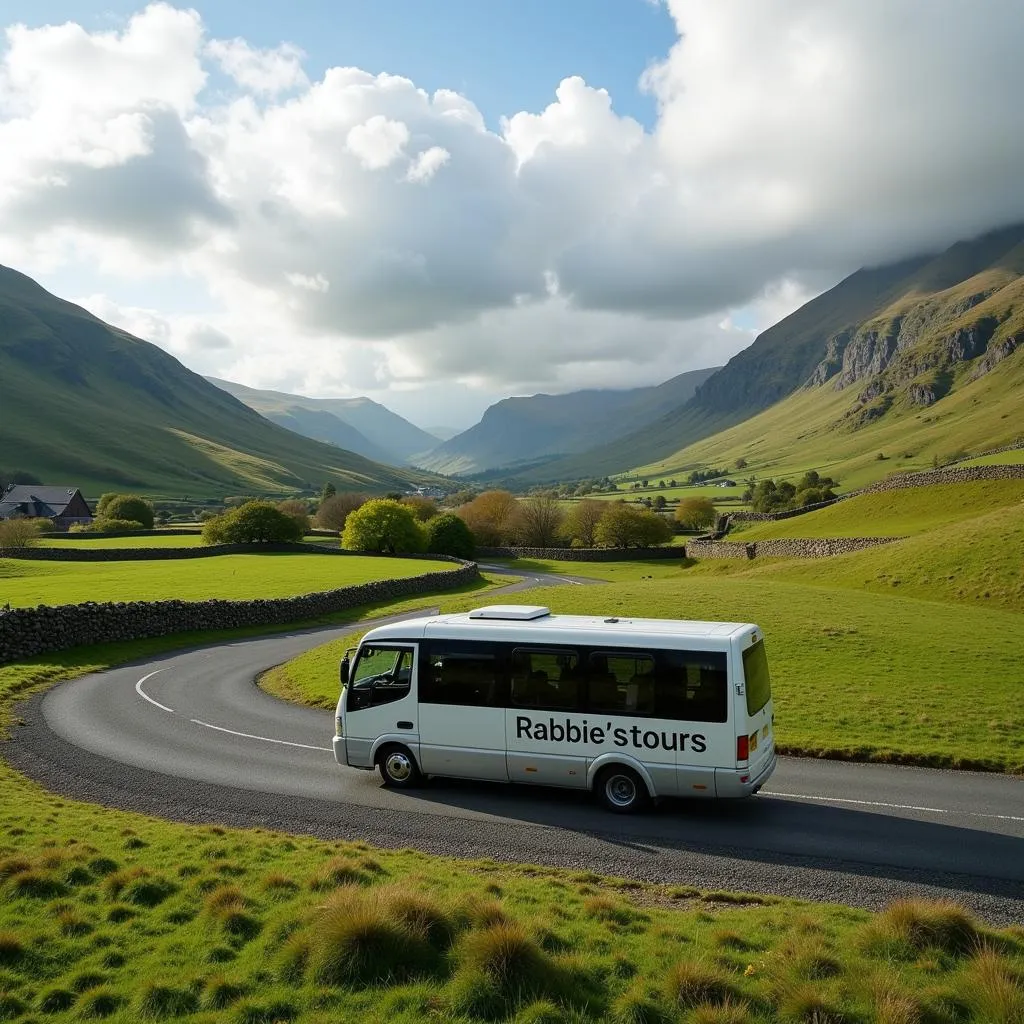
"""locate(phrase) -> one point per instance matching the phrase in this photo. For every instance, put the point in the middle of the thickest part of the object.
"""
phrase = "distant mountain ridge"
(900, 332)
(518, 431)
(85, 404)
(357, 424)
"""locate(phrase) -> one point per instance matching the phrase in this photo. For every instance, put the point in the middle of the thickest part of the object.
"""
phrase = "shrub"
(297, 510)
(107, 525)
(490, 517)
(447, 534)
(255, 522)
(335, 508)
(382, 525)
(696, 513)
(581, 521)
(19, 534)
(126, 506)
(625, 526)
(424, 509)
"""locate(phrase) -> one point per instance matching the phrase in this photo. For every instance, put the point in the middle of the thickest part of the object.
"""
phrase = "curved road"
(189, 736)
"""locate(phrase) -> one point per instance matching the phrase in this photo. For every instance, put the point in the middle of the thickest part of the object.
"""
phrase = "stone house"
(64, 505)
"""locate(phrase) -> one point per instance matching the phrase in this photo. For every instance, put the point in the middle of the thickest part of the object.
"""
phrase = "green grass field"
(149, 541)
(232, 577)
(899, 513)
(1011, 458)
(111, 915)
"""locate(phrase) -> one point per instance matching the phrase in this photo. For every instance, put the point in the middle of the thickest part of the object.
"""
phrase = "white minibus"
(633, 709)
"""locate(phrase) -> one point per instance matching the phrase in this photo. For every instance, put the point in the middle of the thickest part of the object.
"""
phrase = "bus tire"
(621, 789)
(398, 767)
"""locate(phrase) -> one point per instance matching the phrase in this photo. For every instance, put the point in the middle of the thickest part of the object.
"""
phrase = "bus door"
(692, 695)
(462, 712)
(754, 706)
(380, 700)
(544, 723)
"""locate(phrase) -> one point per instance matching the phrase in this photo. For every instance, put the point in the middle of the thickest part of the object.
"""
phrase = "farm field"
(107, 913)
(1011, 458)
(232, 577)
(899, 513)
(719, 495)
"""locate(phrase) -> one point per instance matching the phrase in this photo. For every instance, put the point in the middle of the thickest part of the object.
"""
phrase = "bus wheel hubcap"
(398, 766)
(621, 790)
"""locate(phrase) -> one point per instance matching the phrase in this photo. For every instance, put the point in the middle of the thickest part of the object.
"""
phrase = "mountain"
(358, 424)
(516, 431)
(89, 405)
(905, 334)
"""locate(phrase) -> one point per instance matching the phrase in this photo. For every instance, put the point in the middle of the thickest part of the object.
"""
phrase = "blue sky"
(507, 55)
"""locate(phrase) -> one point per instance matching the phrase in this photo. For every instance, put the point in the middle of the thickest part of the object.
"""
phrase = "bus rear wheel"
(621, 790)
(398, 768)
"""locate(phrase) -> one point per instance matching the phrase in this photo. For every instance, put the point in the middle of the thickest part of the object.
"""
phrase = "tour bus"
(632, 709)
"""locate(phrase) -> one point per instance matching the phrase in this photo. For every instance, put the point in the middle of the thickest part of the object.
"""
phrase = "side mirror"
(343, 671)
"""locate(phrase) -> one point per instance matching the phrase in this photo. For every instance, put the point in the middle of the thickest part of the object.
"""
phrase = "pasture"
(107, 914)
(192, 540)
(898, 513)
(25, 583)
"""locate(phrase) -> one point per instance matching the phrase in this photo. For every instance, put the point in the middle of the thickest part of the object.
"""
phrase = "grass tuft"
(12, 949)
(908, 928)
(55, 1000)
(99, 1003)
(357, 940)
(635, 1006)
(161, 1002)
(721, 1013)
(219, 993)
(690, 983)
(995, 990)
(39, 885)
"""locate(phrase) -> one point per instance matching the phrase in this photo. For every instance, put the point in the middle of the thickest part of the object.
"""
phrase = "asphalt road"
(190, 736)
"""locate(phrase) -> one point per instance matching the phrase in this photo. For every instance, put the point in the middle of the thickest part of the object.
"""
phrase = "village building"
(65, 506)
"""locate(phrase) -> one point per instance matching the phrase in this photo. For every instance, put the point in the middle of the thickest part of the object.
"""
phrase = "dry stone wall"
(954, 475)
(817, 548)
(26, 632)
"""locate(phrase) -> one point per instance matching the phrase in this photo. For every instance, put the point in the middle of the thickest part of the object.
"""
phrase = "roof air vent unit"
(514, 612)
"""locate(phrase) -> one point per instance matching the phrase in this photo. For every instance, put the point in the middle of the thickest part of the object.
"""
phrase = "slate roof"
(31, 500)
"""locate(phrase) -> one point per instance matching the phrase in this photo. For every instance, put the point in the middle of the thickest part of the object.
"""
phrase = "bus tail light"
(742, 748)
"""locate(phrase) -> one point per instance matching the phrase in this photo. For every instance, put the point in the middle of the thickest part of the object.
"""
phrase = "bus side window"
(621, 683)
(460, 676)
(547, 679)
(692, 686)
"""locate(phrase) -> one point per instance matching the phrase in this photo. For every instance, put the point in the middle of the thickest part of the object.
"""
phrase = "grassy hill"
(358, 424)
(520, 430)
(902, 513)
(94, 407)
(854, 372)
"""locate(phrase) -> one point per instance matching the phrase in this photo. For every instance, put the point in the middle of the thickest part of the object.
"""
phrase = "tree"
(660, 502)
(328, 491)
(423, 509)
(538, 521)
(491, 517)
(581, 521)
(126, 506)
(624, 526)
(652, 529)
(333, 511)
(298, 510)
(19, 534)
(740, 463)
(447, 534)
(255, 522)
(383, 525)
(696, 513)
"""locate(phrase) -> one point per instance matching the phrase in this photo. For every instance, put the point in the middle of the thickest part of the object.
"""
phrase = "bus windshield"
(757, 678)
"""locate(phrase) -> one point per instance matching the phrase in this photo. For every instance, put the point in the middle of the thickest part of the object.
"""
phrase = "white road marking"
(146, 696)
(265, 739)
(879, 803)
(219, 728)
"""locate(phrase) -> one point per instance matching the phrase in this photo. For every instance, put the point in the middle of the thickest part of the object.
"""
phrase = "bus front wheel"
(621, 790)
(398, 768)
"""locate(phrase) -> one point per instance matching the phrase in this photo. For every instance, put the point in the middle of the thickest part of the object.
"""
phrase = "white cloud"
(427, 164)
(794, 142)
(378, 142)
(263, 71)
